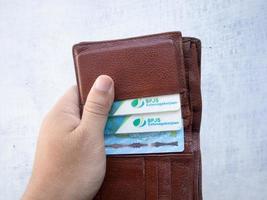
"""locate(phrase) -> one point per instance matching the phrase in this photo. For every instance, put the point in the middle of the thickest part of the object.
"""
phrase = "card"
(154, 104)
(143, 143)
(142, 123)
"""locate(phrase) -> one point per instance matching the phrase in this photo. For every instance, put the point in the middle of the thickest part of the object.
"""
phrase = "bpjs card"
(146, 105)
(143, 123)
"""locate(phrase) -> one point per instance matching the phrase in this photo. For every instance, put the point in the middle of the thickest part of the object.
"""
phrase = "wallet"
(152, 65)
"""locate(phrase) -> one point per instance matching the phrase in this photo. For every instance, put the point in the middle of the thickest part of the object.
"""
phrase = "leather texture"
(152, 65)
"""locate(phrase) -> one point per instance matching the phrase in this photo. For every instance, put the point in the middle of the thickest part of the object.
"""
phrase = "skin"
(70, 160)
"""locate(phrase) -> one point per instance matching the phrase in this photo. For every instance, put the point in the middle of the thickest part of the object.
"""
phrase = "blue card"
(144, 143)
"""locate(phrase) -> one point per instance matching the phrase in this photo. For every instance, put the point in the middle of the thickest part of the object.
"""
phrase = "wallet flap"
(140, 67)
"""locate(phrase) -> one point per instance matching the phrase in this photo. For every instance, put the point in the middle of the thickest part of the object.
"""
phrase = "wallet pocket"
(124, 178)
(169, 177)
(149, 177)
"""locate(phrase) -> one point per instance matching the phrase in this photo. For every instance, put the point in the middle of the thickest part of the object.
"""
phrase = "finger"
(69, 102)
(66, 112)
(97, 106)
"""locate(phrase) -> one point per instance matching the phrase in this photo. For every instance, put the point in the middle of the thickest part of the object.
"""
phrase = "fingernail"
(103, 83)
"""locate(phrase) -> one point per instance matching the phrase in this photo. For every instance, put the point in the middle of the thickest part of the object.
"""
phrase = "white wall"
(36, 67)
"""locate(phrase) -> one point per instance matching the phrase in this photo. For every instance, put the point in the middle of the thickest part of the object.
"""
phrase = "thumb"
(97, 106)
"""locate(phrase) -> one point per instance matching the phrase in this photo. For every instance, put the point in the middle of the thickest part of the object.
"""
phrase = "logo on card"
(139, 122)
(150, 102)
(137, 103)
(152, 121)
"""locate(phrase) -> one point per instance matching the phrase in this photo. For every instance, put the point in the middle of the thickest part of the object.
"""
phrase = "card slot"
(192, 54)
(150, 177)
(195, 93)
(182, 182)
(191, 49)
(124, 178)
(169, 177)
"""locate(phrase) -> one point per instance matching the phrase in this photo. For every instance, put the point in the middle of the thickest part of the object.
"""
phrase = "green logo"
(137, 103)
(139, 122)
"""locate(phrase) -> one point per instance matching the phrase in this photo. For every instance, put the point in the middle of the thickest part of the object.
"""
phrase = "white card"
(146, 105)
(141, 123)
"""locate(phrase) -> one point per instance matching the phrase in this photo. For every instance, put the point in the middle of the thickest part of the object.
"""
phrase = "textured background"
(36, 67)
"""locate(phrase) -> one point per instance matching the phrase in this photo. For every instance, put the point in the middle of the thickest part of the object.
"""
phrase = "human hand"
(70, 160)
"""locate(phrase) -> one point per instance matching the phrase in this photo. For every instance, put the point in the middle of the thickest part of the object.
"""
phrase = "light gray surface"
(36, 68)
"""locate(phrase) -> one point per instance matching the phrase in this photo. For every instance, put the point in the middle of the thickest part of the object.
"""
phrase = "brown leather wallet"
(152, 65)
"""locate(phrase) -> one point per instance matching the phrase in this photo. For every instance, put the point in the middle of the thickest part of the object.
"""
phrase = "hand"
(70, 160)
